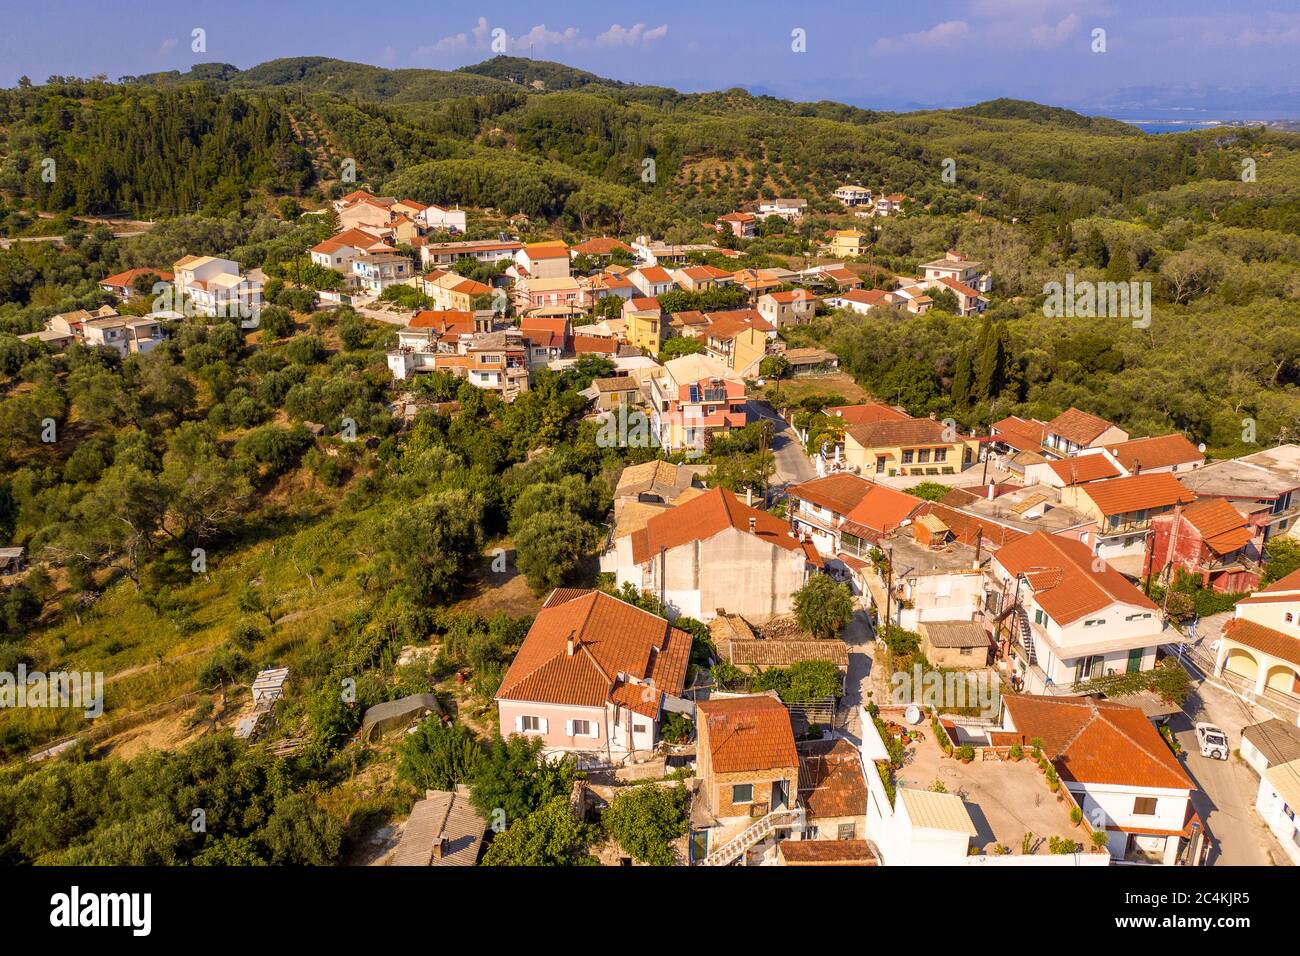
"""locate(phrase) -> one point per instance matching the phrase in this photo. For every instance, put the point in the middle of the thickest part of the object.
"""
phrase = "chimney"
(753, 524)
(440, 848)
(1137, 467)
(571, 645)
(990, 491)
(749, 500)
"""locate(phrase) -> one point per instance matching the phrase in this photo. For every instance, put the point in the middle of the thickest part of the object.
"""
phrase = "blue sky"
(1231, 55)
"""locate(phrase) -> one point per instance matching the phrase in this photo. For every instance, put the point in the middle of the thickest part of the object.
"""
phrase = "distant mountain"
(1054, 115)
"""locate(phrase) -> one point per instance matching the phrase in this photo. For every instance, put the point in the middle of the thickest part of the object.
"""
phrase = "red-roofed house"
(1072, 431)
(863, 301)
(1119, 770)
(715, 552)
(543, 260)
(795, 307)
(1259, 652)
(742, 225)
(701, 278)
(1123, 509)
(652, 281)
(843, 512)
(748, 767)
(601, 247)
(594, 677)
(1172, 453)
(1073, 616)
(1208, 539)
(122, 284)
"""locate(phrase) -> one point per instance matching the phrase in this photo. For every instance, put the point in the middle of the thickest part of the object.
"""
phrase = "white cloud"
(941, 35)
(635, 35)
(1044, 35)
(166, 46)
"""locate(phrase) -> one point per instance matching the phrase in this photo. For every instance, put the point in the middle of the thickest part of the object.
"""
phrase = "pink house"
(594, 677)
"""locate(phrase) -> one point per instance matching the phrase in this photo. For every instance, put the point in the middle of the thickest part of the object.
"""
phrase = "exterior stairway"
(1026, 635)
(757, 831)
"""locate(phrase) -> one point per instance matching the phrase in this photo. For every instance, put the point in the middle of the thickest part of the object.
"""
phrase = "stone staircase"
(756, 832)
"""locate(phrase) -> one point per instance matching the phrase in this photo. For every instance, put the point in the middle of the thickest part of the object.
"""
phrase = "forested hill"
(572, 153)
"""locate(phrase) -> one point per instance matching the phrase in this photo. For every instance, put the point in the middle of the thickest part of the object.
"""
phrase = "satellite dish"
(1201, 448)
(912, 714)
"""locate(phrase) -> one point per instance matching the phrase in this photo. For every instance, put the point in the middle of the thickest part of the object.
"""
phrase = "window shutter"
(568, 728)
(595, 730)
(519, 723)
(541, 725)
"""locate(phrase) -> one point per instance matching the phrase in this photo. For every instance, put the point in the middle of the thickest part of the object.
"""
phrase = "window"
(846, 831)
(580, 728)
(941, 454)
(638, 728)
(1039, 616)
(531, 724)
(1144, 807)
(1290, 618)
(907, 457)
(923, 456)
(966, 651)
(742, 793)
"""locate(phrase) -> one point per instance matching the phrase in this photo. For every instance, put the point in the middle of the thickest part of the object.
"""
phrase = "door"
(780, 794)
(1134, 661)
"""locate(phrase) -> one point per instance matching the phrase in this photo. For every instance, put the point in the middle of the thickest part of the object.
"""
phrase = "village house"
(927, 574)
(701, 278)
(1072, 431)
(443, 829)
(852, 195)
(1264, 486)
(594, 678)
(694, 397)
(1123, 509)
(600, 248)
(644, 327)
(1259, 651)
(845, 513)
(1071, 616)
(863, 301)
(716, 552)
(339, 251)
(594, 288)
(122, 284)
(912, 447)
(889, 205)
(434, 218)
(748, 770)
(1119, 770)
(496, 361)
(554, 295)
(735, 343)
(914, 299)
(542, 260)
(375, 272)
(795, 307)
(959, 269)
(1209, 540)
(656, 252)
(1023, 509)
(126, 334)
(791, 210)
(215, 287)
(652, 281)
(742, 225)
(619, 391)
(480, 250)
(451, 291)
(810, 361)
(644, 491)
(847, 243)
(835, 274)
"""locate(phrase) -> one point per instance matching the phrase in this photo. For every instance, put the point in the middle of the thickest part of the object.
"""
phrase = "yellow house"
(738, 346)
(847, 242)
(911, 446)
(1259, 652)
(643, 324)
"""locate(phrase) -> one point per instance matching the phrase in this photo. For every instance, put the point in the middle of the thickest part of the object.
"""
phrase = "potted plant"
(1036, 746)
(1076, 816)
(1016, 753)
(966, 753)
(1100, 839)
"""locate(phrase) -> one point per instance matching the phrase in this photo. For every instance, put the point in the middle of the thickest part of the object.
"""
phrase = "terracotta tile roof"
(960, 288)
(1159, 452)
(827, 853)
(1024, 434)
(750, 317)
(1118, 496)
(707, 515)
(130, 275)
(440, 319)
(839, 492)
(546, 250)
(1060, 571)
(704, 273)
(1097, 741)
(594, 344)
(771, 652)
(610, 637)
(600, 246)
(1290, 582)
(870, 297)
(441, 815)
(643, 303)
(729, 328)
(887, 434)
(830, 780)
(1078, 427)
(968, 529)
(1221, 525)
(1262, 638)
(956, 634)
(867, 413)
(1084, 468)
(748, 733)
(793, 295)
(882, 509)
(655, 274)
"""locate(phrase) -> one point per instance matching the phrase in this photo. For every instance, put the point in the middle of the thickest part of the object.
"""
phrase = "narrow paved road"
(792, 465)
(858, 682)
